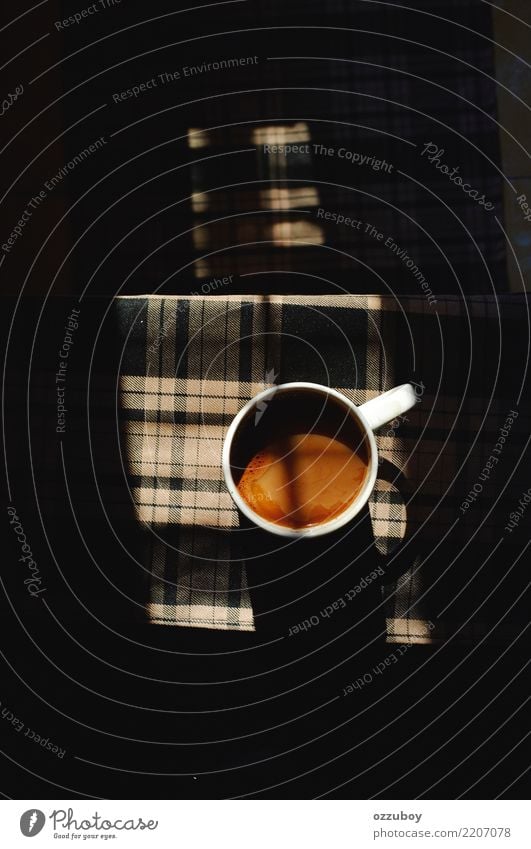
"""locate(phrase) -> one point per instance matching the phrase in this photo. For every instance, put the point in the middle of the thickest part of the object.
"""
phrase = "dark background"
(156, 712)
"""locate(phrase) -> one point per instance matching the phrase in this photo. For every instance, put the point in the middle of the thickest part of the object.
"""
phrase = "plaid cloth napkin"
(441, 501)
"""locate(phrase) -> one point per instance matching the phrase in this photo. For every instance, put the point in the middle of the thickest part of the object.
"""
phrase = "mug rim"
(312, 530)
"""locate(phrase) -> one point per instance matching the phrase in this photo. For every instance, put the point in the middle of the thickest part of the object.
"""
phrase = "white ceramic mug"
(369, 416)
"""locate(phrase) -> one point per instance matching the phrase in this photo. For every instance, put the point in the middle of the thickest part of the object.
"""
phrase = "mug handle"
(389, 405)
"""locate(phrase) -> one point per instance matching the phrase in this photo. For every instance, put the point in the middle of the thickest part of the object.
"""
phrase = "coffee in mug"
(302, 461)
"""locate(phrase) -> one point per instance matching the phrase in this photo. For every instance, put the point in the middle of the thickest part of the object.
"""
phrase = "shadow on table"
(296, 585)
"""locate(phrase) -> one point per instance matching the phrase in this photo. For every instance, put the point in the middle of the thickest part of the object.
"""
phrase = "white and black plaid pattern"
(176, 416)
(205, 357)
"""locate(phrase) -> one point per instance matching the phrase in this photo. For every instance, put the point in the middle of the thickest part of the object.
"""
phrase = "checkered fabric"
(451, 469)
(176, 416)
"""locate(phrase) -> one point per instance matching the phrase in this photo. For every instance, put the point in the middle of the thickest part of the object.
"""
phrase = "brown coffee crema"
(306, 472)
